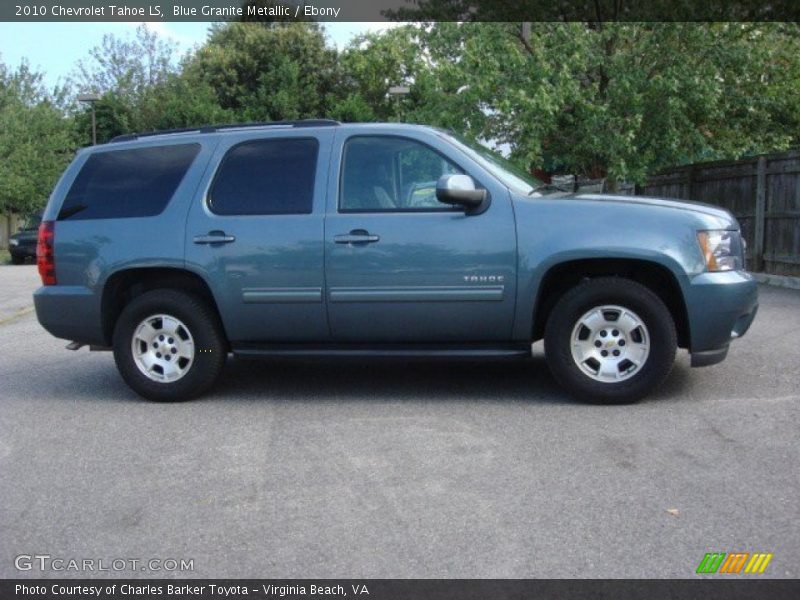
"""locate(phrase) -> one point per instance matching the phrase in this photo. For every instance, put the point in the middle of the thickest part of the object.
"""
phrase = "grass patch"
(5, 257)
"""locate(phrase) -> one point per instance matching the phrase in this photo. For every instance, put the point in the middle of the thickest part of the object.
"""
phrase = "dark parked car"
(22, 244)
(315, 238)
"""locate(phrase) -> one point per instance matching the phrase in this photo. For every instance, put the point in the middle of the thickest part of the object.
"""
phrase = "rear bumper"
(721, 307)
(69, 312)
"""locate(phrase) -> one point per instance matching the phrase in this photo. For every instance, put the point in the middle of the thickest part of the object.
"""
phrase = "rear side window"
(128, 183)
(266, 177)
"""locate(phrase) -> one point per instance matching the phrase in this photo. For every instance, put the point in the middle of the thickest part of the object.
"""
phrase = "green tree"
(180, 102)
(128, 66)
(36, 140)
(373, 63)
(267, 71)
(132, 74)
(613, 99)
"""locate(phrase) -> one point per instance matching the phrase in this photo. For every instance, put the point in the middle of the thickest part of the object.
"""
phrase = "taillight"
(45, 252)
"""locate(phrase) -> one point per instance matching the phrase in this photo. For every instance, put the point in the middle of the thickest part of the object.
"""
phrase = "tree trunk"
(6, 229)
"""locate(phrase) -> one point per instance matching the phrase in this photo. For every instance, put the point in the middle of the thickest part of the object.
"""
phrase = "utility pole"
(526, 31)
(91, 99)
(398, 91)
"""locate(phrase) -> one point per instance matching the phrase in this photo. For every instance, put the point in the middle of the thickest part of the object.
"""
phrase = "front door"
(403, 267)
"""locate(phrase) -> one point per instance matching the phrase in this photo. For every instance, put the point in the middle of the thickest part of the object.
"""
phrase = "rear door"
(256, 234)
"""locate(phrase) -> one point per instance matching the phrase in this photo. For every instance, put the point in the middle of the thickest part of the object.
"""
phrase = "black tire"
(211, 347)
(17, 260)
(610, 291)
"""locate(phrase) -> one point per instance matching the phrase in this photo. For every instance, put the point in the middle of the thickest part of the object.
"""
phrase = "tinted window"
(391, 174)
(128, 183)
(266, 177)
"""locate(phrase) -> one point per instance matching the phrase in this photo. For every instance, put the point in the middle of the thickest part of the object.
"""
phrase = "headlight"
(13, 242)
(722, 249)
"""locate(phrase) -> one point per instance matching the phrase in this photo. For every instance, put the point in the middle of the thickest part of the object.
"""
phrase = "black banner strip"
(399, 10)
(713, 588)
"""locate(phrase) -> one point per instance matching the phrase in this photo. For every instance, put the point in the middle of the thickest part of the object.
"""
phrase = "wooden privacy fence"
(8, 226)
(763, 192)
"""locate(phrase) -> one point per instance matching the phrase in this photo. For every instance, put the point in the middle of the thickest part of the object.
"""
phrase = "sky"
(55, 48)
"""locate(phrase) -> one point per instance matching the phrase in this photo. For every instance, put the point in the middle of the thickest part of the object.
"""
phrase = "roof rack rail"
(127, 137)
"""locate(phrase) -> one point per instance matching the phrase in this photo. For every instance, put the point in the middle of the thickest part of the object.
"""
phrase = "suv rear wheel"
(610, 340)
(169, 345)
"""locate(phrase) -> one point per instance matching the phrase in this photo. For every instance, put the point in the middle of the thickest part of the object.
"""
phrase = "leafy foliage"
(267, 71)
(614, 99)
(373, 63)
(603, 99)
(36, 141)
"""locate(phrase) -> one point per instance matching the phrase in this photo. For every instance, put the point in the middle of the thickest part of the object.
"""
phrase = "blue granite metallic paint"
(435, 277)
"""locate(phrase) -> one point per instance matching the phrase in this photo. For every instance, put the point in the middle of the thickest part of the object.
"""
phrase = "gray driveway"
(329, 469)
(16, 286)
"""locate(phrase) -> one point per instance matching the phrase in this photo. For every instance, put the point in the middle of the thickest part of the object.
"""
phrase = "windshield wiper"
(549, 186)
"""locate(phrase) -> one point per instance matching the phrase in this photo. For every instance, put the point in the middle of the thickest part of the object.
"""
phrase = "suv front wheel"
(169, 345)
(610, 340)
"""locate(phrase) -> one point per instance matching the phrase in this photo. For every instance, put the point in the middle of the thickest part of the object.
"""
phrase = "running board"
(364, 350)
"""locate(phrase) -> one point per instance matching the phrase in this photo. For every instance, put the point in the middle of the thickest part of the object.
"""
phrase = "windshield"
(515, 178)
(32, 222)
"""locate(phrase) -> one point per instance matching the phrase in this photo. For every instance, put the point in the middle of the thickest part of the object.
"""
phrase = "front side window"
(385, 174)
(266, 177)
(127, 183)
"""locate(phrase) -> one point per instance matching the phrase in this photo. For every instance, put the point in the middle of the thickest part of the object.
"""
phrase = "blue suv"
(314, 238)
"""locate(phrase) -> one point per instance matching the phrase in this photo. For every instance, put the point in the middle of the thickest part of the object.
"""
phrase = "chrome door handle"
(357, 236)
(214, 237)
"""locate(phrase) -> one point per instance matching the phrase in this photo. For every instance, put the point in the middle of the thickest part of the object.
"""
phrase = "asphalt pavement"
(373, 469)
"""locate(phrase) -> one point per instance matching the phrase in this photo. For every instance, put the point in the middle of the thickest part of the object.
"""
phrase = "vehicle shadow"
(527, 381)
(365, 380)
(374, 380)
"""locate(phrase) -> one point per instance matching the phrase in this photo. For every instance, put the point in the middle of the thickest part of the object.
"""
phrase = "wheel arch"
(655, 276)
(124, 285)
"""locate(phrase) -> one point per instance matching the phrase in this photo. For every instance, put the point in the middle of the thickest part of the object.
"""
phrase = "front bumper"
(22, 251)
(721, 307)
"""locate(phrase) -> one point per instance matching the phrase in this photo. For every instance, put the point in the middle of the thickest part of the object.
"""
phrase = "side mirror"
(459, 190)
